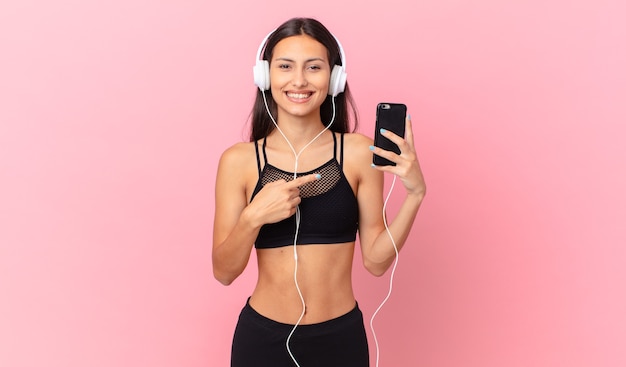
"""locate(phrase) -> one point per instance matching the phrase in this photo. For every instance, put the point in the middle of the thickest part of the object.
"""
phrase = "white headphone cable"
(295, 251)
(393, 270)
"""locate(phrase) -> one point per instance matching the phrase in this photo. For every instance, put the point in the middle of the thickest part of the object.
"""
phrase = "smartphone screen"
(389, 116)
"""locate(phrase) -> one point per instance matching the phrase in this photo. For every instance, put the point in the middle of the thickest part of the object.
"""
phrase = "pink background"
(113, 116)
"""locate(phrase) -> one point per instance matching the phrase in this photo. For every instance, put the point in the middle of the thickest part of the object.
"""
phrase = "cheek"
(322, 79)
(277, 79)
(275, 92)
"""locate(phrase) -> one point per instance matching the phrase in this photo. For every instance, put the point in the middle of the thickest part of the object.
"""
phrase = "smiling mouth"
(300, 96)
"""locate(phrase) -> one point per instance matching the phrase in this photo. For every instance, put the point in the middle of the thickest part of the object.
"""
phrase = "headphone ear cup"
(261, 72)
(338, 79)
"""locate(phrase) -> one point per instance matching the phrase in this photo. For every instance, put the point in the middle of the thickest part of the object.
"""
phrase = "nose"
(299, 78)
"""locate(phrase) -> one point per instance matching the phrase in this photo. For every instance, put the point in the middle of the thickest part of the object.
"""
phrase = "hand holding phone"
(389, 116)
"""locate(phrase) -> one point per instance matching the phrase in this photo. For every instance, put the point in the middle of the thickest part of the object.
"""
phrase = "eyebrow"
(306, 61)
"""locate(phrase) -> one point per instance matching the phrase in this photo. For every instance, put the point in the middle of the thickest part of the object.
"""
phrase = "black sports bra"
(329, 211)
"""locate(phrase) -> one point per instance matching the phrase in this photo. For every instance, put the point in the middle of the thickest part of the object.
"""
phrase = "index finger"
(299, 181)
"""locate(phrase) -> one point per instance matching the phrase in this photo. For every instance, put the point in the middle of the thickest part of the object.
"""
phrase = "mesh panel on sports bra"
(328, 210)
(330, 175)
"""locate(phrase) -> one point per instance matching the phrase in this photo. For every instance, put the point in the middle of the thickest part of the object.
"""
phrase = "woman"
(303, 310)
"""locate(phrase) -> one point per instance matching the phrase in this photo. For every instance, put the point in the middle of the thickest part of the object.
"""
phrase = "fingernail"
(318, 176)
(382, 131)
(409, 116)
(371, 147)
(373, 165)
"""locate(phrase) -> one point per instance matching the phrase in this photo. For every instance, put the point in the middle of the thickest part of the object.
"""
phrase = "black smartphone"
(389, 116)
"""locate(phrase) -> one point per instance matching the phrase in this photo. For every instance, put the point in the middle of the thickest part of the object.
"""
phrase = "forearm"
(231, 256)
(381, 253)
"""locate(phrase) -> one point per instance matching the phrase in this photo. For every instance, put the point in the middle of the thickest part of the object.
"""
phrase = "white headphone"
(261, 71)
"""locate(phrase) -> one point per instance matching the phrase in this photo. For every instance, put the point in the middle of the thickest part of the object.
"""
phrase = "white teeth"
(298, 95)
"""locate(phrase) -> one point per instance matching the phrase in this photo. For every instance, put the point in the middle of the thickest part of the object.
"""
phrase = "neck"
(298, 132)
(299, 135)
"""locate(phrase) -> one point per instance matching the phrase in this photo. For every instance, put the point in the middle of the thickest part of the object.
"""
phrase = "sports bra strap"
(264, 154)
(334, 145)
(341, 152)
(258, 158)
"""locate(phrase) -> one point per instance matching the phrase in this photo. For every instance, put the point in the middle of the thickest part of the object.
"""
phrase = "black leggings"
(260, 342)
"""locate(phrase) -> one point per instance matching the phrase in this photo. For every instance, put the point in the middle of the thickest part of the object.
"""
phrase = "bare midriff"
(324, 278)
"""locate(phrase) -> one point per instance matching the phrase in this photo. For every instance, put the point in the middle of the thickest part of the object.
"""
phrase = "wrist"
(417, 196)
(249, 219)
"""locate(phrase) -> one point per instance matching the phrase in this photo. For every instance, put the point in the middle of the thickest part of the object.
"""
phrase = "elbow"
(224, 280)
(377, 272)
(223, 277)
(225, 271)
(374, 268)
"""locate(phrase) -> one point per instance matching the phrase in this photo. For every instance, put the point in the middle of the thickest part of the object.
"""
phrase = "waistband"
(354, 316)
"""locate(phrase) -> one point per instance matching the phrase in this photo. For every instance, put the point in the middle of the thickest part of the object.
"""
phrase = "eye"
(284, 66)
(315, 67)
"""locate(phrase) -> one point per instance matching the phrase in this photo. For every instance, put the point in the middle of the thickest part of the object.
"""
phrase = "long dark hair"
(262, 124)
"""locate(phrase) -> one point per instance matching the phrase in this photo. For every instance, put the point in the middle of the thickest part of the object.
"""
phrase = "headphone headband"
(341, 52)
(261, 70)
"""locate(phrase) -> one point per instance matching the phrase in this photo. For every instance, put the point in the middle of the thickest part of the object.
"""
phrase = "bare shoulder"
(238, 161)
(238, 155)
(356, 148)
(358, 138)
(358, 159)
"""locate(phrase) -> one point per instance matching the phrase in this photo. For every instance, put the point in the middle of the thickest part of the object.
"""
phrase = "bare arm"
(377, 248)
(237, 223)
(233, 232)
